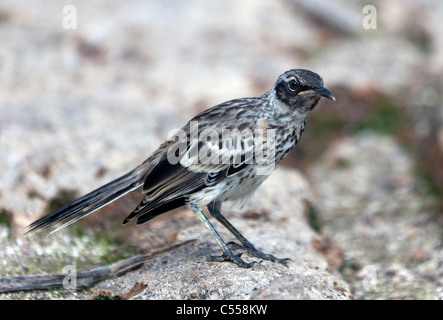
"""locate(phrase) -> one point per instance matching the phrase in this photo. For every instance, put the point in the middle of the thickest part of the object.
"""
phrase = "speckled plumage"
(175, 174)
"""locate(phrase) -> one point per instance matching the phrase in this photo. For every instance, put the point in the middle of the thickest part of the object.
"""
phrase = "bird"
(223, 154)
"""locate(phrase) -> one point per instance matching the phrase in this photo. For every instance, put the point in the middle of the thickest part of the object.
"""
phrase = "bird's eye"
(293, 85)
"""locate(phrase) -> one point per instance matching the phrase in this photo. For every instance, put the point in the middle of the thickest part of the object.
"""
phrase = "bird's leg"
(214, 209)
(227, 254)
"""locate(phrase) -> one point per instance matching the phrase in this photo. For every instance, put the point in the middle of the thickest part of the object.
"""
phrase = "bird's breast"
(287, 136)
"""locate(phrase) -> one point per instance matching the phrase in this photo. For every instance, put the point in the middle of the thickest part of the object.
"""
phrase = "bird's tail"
(87, 204)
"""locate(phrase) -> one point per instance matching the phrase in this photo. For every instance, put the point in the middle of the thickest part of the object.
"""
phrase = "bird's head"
(300, 90)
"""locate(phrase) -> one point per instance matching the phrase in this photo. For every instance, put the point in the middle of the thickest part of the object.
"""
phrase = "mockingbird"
(222, 154)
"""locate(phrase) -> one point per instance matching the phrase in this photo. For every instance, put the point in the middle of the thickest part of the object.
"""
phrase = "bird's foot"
(257, 253)
(229, 256)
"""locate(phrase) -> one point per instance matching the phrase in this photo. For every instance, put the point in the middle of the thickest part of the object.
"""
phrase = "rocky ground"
(393, 248)
(357, 205)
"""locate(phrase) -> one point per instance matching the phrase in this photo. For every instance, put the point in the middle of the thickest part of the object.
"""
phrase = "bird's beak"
(321, 91)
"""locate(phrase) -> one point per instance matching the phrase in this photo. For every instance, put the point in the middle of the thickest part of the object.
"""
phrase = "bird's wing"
(186, 167)
(219, 138)
(168, 186)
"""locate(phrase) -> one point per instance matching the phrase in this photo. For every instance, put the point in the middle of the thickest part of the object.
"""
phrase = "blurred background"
(89, 89)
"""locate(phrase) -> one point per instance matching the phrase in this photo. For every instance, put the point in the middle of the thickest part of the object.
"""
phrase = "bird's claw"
(229, 256)
(257, 253)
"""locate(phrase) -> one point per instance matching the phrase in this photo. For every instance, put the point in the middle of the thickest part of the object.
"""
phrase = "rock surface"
(371, 205)
(279, 228)
(79, 107)
(274, 221)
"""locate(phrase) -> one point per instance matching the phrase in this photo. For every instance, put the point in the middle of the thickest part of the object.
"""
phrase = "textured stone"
(283, 231)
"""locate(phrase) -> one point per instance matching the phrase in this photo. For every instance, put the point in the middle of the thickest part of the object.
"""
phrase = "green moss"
(116, 250)
(4, 218)
(324, 126)
(102, 297)
(383, 117)
(424, 175)
(63, 197)
(51, 255)
(313, 219)
(349, 268)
